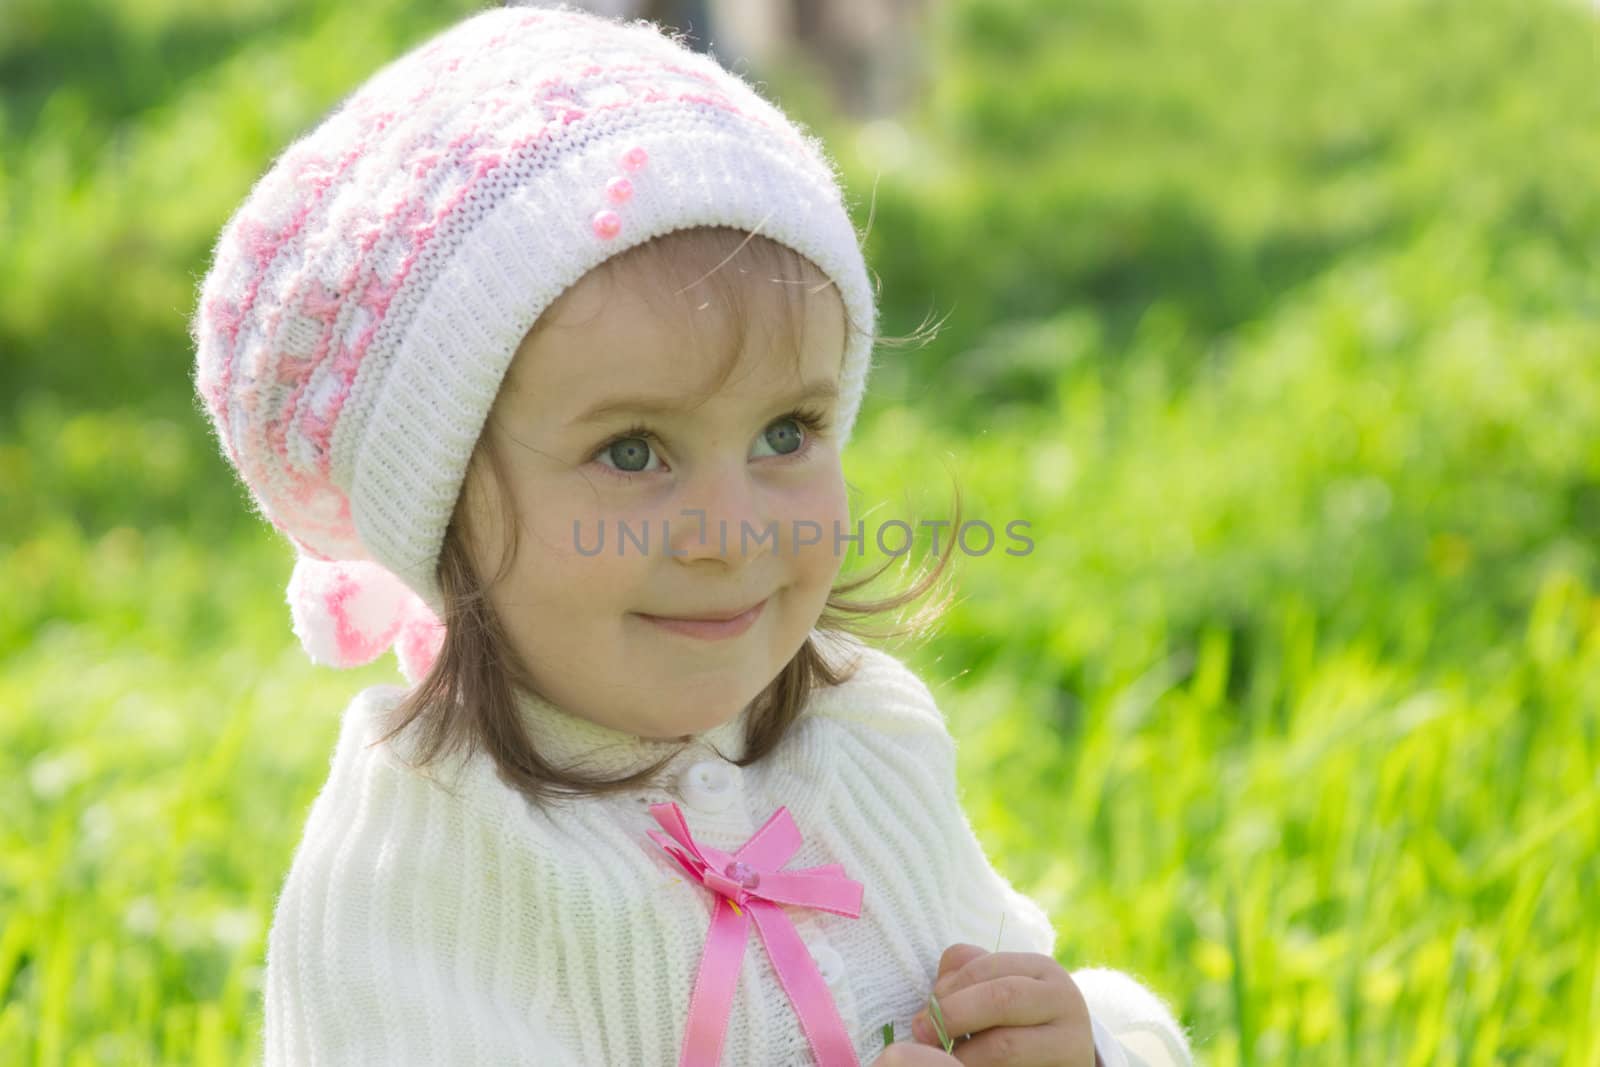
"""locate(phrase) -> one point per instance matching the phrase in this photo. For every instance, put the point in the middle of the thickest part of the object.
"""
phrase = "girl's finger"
(992, 965)
(1015, 1046)
(956, 957)
(906, 1054)
(1010, 1000)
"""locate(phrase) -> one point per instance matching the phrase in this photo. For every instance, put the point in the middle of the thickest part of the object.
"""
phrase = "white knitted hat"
(365, 301)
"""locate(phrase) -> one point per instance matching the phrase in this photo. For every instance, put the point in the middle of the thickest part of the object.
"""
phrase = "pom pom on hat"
(421, 637)
(347, 613)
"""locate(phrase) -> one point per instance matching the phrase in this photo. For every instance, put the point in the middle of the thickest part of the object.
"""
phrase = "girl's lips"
(709, 631)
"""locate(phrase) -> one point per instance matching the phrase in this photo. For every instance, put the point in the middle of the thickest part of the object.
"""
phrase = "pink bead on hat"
(364, 302)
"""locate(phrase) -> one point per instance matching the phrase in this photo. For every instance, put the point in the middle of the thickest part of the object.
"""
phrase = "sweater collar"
(577, 744)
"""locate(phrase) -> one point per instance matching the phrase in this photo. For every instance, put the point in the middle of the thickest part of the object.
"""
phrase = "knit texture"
(365, 301)
(443, 919)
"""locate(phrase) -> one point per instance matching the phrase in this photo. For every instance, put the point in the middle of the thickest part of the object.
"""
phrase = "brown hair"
(468, 700)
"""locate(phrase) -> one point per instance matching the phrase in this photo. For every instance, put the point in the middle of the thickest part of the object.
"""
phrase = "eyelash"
(813, 421)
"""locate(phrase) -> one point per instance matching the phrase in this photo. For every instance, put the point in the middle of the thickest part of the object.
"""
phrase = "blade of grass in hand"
(938, 1022)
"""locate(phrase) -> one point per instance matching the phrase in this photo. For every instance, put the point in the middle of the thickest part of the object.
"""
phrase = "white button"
(709, 785)
(829, 962)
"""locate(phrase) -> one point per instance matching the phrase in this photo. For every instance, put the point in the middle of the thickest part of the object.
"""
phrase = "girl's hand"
(906, 1054)
(1021, 1008)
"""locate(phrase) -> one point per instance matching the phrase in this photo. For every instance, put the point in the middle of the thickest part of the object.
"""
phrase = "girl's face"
(611, 439)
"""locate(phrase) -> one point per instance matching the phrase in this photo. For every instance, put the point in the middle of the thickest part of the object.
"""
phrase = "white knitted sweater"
(443, 919)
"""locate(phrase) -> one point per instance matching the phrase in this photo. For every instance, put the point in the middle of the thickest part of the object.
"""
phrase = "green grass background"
(1277, 320)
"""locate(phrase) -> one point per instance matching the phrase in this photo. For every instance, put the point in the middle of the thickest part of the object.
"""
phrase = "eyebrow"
(666, 405)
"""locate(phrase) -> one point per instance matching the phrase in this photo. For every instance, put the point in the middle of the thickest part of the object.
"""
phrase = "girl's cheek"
(825, 495)
(823, 502)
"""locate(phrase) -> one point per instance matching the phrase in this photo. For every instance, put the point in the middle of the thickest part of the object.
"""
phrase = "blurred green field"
(1277, 320)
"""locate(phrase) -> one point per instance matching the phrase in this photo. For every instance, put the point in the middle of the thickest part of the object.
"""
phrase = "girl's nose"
(722, 516)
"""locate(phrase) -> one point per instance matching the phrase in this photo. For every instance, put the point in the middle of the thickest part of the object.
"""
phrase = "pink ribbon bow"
(754, 886)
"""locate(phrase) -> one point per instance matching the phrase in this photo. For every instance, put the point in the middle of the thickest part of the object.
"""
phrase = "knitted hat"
(365, 301)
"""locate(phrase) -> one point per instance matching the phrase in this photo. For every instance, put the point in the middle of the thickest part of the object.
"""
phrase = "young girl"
(541, 349)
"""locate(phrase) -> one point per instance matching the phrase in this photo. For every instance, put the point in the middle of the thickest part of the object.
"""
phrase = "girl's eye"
(788, 436)
(630, 453)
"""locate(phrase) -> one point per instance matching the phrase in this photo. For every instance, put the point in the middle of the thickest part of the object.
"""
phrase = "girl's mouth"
(709, 629)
